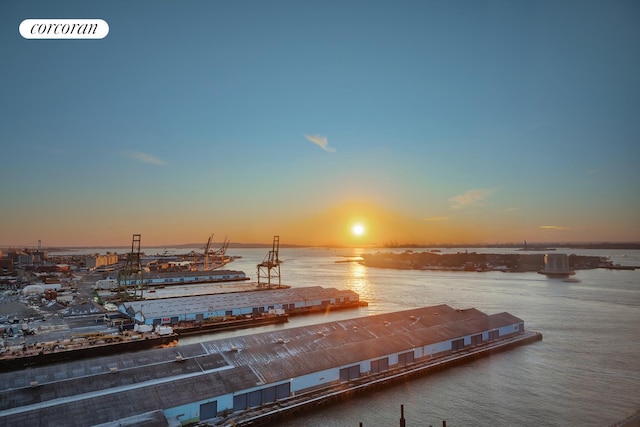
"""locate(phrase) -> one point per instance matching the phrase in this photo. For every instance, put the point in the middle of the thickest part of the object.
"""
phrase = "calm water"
(585, 372)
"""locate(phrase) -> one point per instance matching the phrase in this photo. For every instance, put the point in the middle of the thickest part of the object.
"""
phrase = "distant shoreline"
(530, 246)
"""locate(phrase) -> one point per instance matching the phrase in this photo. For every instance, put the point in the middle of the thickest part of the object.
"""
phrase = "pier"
(290, 301)
(325, 396)
(250, 380)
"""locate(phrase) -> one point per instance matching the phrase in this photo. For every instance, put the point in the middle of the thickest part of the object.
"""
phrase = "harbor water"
(585, 372)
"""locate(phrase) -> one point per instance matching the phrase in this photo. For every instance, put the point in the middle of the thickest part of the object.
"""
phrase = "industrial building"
(221, 380)
(186, 277)
(202, 307)
(175, 278)
(97, 261)
(556, 265)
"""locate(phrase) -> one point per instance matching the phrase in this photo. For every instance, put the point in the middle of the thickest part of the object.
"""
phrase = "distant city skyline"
(422, 122)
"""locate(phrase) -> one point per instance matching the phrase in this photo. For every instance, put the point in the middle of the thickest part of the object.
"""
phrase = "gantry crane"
(272, 265)
(130, 280)
(211, 256)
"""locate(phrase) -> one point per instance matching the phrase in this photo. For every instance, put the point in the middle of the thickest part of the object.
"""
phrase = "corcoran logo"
(64, 29)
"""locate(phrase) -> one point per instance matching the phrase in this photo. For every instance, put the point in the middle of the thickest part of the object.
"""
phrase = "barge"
(81, 346)
(84, 346)
(226, 324)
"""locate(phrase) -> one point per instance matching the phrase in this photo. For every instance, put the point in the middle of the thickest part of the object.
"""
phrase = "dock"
(253, 379)
(334, 394)
(189, 315)
(290, 301)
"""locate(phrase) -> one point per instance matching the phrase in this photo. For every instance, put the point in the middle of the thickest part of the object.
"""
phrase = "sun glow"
(358, 229)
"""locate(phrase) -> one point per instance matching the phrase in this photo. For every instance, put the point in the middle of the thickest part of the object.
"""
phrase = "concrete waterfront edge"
(318, 398)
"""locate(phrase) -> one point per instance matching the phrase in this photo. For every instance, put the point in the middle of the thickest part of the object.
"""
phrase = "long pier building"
(240, 380)
(202, 307)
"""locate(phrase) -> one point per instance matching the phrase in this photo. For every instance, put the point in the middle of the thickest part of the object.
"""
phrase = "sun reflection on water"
(358, 279)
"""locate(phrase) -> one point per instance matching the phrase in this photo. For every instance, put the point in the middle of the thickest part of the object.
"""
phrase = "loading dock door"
(457, 344)
(344, 374)
(254, 398)
(283, 390)
(269, 395)
(240, 402)
(379, 365)
(349, 373)
(404, 358)
(258, 397)
(209, 410)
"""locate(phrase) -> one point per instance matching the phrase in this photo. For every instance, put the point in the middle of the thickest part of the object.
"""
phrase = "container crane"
(270, 266)
(130, 277)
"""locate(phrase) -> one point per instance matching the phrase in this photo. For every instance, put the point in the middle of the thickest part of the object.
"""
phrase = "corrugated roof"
(293, 352)
(208, 303)
(189, 274)
(112, 404)
(91, 375)
(86, 392)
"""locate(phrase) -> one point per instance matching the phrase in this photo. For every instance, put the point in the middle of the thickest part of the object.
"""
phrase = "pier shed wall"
(314, 379)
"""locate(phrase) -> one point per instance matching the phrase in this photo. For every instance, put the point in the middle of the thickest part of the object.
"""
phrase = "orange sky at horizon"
(330, 227)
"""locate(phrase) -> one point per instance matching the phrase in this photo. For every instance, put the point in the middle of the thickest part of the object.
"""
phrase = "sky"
(426, 122)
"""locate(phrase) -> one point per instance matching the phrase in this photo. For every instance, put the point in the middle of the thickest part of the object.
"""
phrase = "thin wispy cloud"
(437, 218)
(509, 209)
(470, 198)
(321, 141)
(143, 157)
(554, 227)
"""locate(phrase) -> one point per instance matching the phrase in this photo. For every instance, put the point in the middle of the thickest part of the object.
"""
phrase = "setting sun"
(358, 229)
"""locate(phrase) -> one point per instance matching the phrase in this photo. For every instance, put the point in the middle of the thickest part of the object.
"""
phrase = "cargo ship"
(81, 346)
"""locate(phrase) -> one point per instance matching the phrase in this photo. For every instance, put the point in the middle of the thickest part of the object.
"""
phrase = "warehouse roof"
(192, 274)
(216, 302)
(276, 356)
(104, 389)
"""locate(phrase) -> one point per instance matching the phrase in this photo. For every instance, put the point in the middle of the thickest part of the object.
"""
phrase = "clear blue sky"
(427, 121)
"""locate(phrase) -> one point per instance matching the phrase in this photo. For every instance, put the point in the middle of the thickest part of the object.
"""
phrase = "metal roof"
(191, 274)
(293, 352)
(104, 389)
(208, 303)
